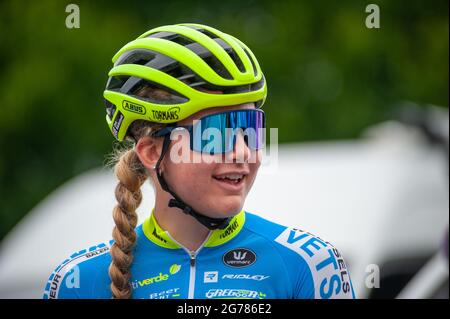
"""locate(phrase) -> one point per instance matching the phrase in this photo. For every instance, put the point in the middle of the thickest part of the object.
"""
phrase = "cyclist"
(188, 97)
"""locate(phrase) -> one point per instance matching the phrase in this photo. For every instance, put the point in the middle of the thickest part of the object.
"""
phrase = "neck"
(182, 227)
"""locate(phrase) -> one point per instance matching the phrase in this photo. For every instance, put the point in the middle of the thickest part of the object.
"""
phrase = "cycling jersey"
(251, 258)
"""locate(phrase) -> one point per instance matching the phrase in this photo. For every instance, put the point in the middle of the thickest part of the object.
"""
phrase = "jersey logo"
(175, 268)
(245, 276)
(166, 294)
(230, 229)
(155, 234)
(68, 273)
(239, 257)
(234, 294)
(327, 267)
(210, 276)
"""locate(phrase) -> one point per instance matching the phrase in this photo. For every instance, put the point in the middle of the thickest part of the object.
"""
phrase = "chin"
(226, 208)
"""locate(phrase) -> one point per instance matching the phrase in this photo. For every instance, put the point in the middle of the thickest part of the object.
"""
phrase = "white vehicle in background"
(381, 199)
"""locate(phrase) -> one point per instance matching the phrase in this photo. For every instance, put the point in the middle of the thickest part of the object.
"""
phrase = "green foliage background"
(329, 76)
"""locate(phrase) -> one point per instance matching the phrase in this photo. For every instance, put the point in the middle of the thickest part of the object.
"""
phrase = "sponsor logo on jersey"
(245, 276)
(158, 278)
(166, 294)
(213, 277)
(239, 257)
(234, 293)
(210, 276)
(170, 114)
(174, 269)
(96, 252)
(54, 286)
(72, 280)
(133, 107)
(230, 229)
(157, 236)
(325, 262)
(68, 273)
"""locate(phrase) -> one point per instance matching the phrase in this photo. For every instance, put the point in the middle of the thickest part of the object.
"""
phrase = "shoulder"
(317, 267)
(81, 274)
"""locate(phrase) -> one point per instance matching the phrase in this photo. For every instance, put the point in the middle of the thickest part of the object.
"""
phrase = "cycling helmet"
(191, 62)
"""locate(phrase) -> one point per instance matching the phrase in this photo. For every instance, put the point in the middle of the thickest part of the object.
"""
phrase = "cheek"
(252, 176)
(254, 161)
(189, 178)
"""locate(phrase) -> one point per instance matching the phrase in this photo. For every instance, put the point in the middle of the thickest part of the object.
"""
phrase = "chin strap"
(176, 201)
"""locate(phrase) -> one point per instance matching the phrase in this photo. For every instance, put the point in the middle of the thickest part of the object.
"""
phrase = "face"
(214, 185)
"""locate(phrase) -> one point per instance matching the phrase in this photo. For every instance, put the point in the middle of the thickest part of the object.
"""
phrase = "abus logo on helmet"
(239, 257)
(133, 107)
(170, 114)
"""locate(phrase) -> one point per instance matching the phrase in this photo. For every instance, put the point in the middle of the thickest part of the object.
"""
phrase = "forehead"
(212, 110)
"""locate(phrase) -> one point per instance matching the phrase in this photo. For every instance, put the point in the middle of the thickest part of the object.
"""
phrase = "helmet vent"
(156, 93)
(205, 32)
(255, 72)
(233, 55)
(115, 83)
(198, 49)
(141, 57)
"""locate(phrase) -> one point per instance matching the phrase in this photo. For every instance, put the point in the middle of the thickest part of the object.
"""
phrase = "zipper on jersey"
(192, 255)
(192, 259)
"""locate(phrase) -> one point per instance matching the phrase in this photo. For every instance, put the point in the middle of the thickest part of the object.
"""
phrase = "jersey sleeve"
(83, 275)
(321, 271)
(63, 283)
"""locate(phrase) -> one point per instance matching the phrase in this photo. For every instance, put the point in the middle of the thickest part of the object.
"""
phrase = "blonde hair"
(129, 196)
(131, 175)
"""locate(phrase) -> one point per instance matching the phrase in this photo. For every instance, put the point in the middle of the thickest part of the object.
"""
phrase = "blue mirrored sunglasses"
(216, 133)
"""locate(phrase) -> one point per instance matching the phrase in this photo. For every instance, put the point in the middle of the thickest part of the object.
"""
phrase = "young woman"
(188, 97)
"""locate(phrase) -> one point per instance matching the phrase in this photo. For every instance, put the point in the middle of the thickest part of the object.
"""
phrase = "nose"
(241, 151)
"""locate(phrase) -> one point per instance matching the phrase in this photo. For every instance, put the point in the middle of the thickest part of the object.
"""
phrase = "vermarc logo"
(239, 257)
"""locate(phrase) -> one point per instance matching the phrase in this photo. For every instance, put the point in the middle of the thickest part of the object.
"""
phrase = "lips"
(232, 180)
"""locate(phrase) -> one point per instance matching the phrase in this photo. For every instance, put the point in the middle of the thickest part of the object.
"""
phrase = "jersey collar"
(216, 237)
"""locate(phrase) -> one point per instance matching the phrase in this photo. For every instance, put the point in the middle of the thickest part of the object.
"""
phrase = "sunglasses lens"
(217, 133)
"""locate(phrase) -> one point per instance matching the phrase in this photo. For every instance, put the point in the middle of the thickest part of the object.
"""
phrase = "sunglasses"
(216, 133)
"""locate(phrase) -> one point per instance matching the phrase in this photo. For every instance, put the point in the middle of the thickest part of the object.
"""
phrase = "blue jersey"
(252, 258)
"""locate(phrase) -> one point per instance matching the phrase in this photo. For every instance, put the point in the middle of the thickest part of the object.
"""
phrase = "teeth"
(231, 176)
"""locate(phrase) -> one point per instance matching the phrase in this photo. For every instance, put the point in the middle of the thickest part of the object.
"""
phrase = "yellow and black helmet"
(189, 61)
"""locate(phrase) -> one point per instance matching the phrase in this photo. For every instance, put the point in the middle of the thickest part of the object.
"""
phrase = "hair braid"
(131, 174)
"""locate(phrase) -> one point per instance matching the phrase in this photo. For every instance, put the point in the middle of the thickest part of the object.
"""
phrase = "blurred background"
(362, 118)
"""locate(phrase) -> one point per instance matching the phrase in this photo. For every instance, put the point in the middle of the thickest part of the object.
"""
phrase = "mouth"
(233, 181)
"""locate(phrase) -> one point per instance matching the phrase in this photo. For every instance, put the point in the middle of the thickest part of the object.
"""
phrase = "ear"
(148, 150)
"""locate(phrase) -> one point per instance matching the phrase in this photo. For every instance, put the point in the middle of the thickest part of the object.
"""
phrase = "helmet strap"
(176, 201)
